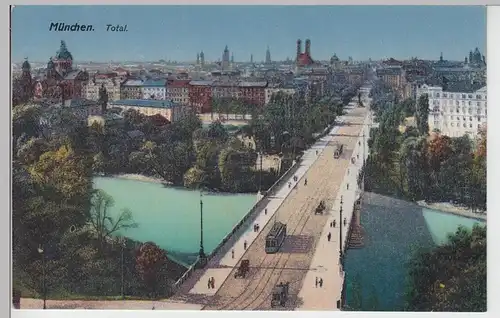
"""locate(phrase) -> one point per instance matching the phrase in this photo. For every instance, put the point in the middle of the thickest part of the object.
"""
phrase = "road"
(304, 231)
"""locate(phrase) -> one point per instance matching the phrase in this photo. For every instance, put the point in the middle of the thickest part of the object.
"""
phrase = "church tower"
(63, 60)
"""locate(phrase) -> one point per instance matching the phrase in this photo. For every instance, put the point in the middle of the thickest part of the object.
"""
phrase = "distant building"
(304, 59)
(171, 111)
(393, 76)
(154, 89)
(200, 95)
(268, 56)
(23, 87)
(225, 59)
(107, 120)
(112, 85)
(459, 110)
(131, 89)
(271, 90)
(61, 80)
(178, 91)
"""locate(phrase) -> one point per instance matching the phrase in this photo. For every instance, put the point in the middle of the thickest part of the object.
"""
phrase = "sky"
(179, 32)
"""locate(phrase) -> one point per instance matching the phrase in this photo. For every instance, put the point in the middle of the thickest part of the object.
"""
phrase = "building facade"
(178, 91)
(131, 89)
(61, 81)
(200, 96)
(456, 112)
(154, 89)
(112, 85)
(171, 111)
(393, 76)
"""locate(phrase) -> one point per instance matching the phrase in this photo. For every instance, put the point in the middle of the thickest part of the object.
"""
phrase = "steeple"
(441, 57)
(268, 56)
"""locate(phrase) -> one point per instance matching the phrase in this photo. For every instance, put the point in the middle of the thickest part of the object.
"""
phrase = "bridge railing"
(257, 207)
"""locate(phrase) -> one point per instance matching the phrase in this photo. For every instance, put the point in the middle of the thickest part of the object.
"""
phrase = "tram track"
(324, 181)
(262, 297)
(249, 296)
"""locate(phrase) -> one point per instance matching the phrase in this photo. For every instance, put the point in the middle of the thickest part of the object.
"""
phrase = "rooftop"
(144, 103)
(155, 83)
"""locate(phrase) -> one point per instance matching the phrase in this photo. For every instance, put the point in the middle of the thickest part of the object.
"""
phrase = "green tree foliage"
(450, 277)
(56, 209)
(419, 166)
(103, 224)
(422, 114)
(150, 262)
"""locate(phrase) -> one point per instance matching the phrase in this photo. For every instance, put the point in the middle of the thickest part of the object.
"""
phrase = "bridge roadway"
(304, 228)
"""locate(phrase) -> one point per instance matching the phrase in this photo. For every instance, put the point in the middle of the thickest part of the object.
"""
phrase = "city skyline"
(178, 33)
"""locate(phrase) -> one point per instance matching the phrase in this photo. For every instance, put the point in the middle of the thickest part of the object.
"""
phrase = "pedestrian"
(289, 185)
(345, 221)
(331, 224)
(232, 253)
(316, 152)
(329, 236)
(245, 245)
(305, 181)
(347, 171)
(334, 223)
(265, 211)
(348, 186)
(321, 283)
(317, 282)
(209, 284)
(213, 283)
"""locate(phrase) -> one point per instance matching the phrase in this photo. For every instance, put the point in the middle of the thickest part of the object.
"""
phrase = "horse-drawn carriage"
(320, 208)
(243, 269)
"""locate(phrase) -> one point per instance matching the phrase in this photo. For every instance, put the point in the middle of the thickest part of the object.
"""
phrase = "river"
(393, 229)
(170, 217)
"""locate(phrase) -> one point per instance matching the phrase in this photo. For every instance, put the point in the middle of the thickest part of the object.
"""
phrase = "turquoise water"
(170, 217)
(392, 231)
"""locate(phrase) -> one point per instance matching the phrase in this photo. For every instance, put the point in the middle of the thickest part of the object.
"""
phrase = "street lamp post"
(341, 254)
(202, 257)
(44, 289)
(122, 243)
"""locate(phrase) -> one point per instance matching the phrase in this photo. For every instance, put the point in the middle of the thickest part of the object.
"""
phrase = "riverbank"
(139, 177)
(446, 207)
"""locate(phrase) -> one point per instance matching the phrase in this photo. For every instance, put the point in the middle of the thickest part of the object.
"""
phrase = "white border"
(493, 54)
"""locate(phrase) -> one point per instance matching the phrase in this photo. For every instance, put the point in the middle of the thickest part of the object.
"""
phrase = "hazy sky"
(179, 32)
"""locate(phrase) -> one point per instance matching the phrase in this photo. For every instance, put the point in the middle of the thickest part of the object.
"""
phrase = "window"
(445, 95)
(470, 117)
(469, 96)
(457, 103)
(452, 125)
(465, 125)
(458, 110)
(463, 96)
(470, 125)
(437, 94)
(451, 95)
(478, 96)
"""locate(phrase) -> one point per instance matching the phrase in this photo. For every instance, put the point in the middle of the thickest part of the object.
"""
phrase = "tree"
(422, 114)
(450, 277)
(150, 261)
(101, 220)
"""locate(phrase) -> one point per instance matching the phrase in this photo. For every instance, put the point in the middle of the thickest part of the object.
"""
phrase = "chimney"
(299, 48)
(308, 47)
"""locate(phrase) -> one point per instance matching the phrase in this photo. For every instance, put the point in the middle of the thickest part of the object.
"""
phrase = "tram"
(275, 237)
